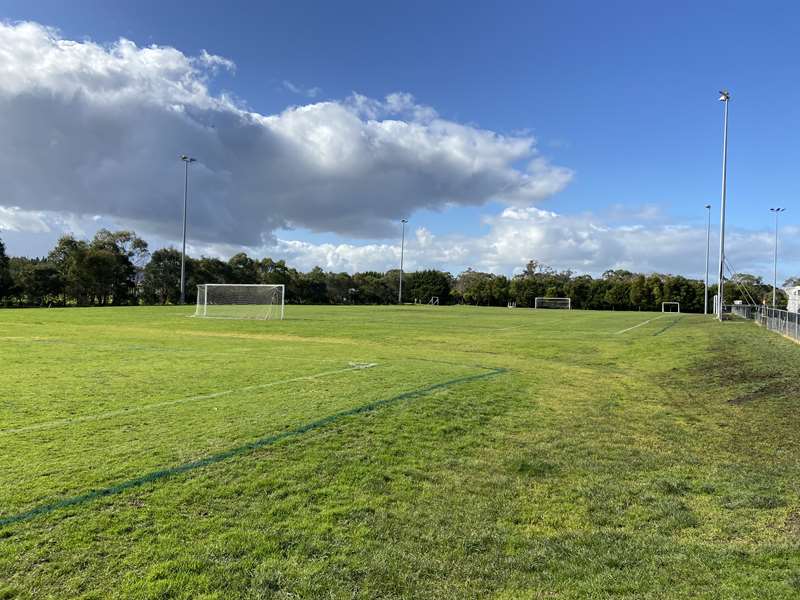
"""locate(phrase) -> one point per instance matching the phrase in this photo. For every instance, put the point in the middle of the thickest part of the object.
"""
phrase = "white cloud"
(97, 130)
(13, 218)
(312, 92)
(216, 62)
(583, 243)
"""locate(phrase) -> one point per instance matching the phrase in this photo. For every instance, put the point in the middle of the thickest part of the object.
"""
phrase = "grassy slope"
(661, 462)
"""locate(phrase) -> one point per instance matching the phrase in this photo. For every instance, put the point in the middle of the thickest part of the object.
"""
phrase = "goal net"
(240, 301)
(544, 302)
(671, 307)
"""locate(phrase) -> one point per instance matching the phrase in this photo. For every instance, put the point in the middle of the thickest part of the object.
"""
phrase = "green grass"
(384, 452)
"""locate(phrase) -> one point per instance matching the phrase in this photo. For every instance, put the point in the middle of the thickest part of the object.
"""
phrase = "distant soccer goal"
(434, 301)
(671, 307)
(240, 301)
(544, 302)
(512, 304)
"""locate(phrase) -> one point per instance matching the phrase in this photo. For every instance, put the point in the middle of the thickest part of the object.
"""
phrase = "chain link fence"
(777, 320)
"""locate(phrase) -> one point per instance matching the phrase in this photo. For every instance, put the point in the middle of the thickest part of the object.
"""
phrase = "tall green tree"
(744, 286)
(373, 288)
(5, 274)
(69, 257)
(483, 289)
(161, 282)
(113, 260)
(338, 286)
(314, 287)
(205, 270)
(36, 282)
(424, 285)
(243, 269)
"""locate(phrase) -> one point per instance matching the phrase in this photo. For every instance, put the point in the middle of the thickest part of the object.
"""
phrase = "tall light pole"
(187, 160)
(724, 97)
(402, 248)
(708, 246)
(777, 211)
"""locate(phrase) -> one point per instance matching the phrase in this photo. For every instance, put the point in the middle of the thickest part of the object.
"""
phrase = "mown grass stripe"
(144, 407)
(671, 324)
(240, 450)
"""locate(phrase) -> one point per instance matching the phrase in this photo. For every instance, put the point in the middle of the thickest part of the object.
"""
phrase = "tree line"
(117, 268)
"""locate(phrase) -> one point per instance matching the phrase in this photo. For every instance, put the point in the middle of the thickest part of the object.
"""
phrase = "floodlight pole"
(777, 211)
(724, 96)
(187, 160)
(708, 246)
(402, 248)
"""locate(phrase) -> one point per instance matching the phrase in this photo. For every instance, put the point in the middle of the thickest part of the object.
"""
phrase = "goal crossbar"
(240, 301)
(670, 307)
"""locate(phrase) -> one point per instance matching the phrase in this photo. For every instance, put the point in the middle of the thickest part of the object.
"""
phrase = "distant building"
(794, 298)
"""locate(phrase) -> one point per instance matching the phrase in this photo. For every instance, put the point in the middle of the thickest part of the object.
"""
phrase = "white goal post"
(240, 301)
(671, 307)
(544, 302)
(434, 301)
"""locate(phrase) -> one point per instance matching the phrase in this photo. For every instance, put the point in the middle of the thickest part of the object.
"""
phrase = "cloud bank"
(96, 130)
(584, 243)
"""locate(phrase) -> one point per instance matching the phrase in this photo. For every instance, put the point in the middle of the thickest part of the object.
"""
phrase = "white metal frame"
(781, 321)
(536, 302)
(434, 301)
(202, 293)
(785, 322)
(664, 304)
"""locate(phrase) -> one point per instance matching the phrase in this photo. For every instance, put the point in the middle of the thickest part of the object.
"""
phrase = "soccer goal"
(240, 301)
(434, 301)
(544, 302)
(671, 307)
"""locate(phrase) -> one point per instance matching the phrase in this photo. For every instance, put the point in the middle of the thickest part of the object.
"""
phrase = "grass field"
(385, 452)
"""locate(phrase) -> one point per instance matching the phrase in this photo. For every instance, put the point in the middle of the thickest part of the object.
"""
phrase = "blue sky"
(622, 94)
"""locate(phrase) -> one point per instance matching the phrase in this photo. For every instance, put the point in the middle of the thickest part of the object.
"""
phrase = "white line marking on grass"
(133, 409)
(640, 324)
(514, 327)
